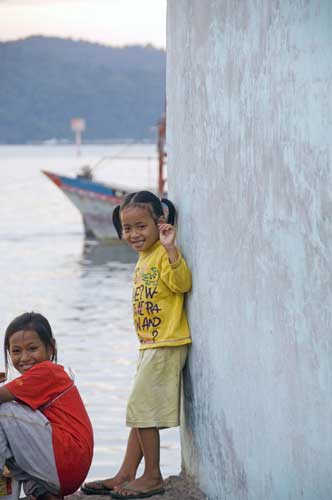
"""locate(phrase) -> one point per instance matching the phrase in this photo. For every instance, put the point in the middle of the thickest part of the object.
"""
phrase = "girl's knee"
(9, 408)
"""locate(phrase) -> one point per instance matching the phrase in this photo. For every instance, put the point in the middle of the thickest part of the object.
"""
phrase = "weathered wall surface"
(249, 90)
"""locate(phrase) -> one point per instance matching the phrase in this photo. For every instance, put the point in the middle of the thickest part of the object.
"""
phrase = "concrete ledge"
(177, 488)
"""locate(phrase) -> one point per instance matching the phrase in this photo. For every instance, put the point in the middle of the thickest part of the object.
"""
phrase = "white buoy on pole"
(78, 126)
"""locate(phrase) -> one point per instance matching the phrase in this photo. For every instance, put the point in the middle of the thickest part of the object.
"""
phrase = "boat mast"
(161, 155)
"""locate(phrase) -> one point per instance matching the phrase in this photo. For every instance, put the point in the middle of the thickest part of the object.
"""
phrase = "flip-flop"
(89, 490)
(138, 494)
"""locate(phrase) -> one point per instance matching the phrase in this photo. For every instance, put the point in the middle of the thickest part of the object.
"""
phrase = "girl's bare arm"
(5, 395)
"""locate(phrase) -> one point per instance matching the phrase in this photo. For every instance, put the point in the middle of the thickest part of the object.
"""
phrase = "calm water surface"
(84, 289)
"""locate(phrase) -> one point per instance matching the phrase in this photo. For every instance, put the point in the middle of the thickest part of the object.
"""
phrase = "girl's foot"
(104, 486)
(49, 496)
(46, 496)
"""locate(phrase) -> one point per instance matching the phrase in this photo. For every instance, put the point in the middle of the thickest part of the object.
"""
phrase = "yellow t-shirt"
(158, 294)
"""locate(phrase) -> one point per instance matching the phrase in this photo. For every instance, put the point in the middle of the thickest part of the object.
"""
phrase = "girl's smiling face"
(140, 230)
(26, 350)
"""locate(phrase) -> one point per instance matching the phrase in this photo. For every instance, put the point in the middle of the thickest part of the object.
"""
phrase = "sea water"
(83, 288)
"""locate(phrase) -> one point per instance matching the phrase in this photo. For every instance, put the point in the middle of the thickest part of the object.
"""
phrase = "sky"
(110, 22)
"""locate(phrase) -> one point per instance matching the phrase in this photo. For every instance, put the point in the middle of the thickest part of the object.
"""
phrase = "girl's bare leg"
(151, 478)
(128, 469)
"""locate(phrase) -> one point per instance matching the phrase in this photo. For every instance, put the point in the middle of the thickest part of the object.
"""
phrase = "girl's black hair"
(158, 208)
(31, 321)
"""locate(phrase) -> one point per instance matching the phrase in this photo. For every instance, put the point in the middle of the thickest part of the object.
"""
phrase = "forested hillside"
(44, 82)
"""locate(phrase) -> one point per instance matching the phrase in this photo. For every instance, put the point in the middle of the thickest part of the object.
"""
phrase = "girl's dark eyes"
(140, 226)
(16, 351)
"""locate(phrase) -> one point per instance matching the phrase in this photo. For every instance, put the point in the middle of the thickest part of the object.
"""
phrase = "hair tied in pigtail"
(116, 221)
(169, 211)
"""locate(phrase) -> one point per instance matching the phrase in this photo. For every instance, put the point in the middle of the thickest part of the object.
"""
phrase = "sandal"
(138, 493)
(101, 489)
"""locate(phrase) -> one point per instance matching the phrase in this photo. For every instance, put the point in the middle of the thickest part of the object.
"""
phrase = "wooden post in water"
(161, 154)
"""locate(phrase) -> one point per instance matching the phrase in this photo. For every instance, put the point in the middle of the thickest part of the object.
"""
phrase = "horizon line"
(83, 40)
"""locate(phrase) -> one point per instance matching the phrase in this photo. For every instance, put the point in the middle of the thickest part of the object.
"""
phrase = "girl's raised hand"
(167, 234)
(167, 239)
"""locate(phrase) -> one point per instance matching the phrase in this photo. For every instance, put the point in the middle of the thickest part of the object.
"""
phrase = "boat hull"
(95, 201)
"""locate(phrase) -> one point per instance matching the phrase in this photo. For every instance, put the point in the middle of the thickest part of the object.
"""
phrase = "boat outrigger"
(96, 200)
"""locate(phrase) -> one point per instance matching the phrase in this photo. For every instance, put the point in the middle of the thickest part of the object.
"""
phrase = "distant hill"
(44, 82)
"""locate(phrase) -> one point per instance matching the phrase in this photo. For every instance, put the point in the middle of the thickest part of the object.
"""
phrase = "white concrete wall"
(249, 90)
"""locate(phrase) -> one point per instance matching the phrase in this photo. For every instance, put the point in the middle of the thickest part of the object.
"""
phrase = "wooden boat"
(96, 200)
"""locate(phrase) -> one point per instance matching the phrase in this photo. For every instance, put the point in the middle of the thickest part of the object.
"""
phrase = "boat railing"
(122, 157)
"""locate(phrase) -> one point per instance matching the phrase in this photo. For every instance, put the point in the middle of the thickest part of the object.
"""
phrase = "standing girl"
(46, 437)
(161, 279)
